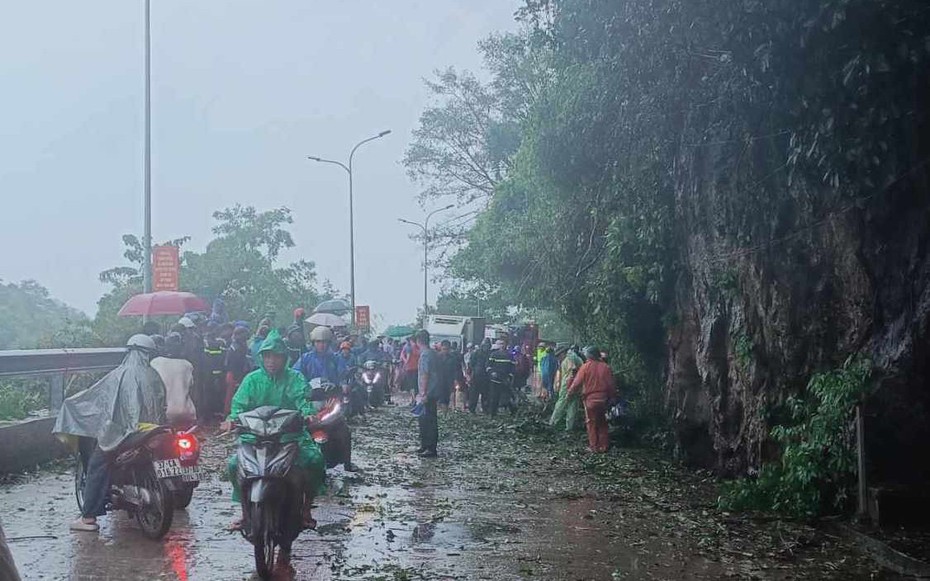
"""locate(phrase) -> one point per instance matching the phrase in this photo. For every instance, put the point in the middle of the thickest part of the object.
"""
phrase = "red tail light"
(187, 443)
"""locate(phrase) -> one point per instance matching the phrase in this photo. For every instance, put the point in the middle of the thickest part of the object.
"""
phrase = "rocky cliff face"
(766, 300)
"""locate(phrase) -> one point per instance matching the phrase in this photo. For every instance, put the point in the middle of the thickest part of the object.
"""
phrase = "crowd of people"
(212, 369)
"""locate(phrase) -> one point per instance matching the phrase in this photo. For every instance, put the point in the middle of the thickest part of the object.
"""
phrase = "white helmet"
(321, 334)
(142, 343)
(186, 322)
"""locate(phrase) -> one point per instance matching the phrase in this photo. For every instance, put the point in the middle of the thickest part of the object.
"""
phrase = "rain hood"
(114, 407)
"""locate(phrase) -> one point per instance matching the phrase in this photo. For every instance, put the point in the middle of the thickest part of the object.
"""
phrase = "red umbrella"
(162, 303)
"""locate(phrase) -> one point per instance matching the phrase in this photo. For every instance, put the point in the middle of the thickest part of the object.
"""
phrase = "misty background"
(242, 92)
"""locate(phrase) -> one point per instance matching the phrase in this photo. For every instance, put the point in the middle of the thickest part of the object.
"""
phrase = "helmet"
(174, 344)
(592, 352)
(141, 342)
(186, 322)
(321, 334)
(371, 364)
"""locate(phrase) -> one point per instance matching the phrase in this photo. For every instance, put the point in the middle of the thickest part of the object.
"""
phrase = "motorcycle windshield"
(268, 421)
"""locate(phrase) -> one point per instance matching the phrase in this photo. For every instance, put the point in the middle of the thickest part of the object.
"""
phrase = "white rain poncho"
(114, 407)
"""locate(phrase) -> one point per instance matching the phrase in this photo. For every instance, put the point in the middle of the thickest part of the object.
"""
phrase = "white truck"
(455, 329)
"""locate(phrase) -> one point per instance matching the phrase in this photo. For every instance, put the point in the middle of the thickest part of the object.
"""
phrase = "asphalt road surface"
(506, 499)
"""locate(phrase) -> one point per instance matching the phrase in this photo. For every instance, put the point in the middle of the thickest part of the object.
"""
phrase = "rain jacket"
(595, 380)
(125, 400)
(288, 391)
(313, 365)
(548, 365)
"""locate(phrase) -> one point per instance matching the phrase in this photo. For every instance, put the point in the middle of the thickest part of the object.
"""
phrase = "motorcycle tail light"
(187, 446)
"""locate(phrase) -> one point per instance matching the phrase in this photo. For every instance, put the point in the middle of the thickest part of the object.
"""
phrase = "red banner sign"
(362, 317)
(166, 266)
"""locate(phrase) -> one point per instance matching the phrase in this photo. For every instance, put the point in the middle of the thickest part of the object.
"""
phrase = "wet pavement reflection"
(480, 511)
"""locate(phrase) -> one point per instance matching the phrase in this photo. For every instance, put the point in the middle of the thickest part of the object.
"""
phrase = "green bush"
(17, 402)
(817, 469)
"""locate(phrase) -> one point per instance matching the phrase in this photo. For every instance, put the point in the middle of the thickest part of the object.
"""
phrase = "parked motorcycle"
(151, 473)
(271, 495)
(331, 431)
(374, 378)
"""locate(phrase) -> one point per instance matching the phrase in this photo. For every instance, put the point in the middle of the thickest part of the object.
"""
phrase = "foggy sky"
(243, 91)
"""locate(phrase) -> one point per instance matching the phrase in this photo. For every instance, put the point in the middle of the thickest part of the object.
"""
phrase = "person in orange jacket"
(596, 382)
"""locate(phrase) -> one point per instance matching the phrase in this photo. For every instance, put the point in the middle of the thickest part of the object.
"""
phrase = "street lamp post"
(348, 169)
(425, 228)
(147, 158)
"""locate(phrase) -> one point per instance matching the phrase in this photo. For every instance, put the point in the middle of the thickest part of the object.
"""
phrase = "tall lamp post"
(147, 157)
(425, 227)
(348, 169)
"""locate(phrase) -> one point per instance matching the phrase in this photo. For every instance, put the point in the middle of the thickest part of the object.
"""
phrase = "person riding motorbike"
(345, 361)
(330, 429)
(500, 371)
(128, 399)
(274, 384)
(320, 361)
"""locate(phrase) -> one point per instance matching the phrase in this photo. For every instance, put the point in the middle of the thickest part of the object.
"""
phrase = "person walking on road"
(501, 372)
(568, 407)
(177, 374)
(410, 357)
(238, 365)
(478, 384)
(430, 392)
(597, 385)
(548, 365)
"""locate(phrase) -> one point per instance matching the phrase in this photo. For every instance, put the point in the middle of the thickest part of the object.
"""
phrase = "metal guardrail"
(59, 364)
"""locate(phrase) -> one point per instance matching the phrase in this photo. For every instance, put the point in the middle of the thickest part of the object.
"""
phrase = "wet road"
(506, 500)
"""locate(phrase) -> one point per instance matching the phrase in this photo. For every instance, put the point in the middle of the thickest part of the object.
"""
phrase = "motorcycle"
(151, 473)
(271, 496)
(374, 378)
(331, 432)
(354, 395)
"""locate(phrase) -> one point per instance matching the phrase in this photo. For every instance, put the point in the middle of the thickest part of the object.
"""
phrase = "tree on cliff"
(675, 155)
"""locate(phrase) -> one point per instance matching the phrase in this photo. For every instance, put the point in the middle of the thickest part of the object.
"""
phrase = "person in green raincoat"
(275, 384)
(568, 407)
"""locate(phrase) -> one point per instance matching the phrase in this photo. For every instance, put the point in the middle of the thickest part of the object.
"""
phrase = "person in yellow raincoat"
(275, 384)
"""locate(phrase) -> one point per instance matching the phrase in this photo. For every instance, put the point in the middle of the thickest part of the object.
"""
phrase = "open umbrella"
(326, 320)
(399, 331)
(162, 303)
(333, 307)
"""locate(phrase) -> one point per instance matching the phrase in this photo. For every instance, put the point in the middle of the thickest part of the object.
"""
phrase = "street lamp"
(147, 158)
(425, 228)
(348, 169)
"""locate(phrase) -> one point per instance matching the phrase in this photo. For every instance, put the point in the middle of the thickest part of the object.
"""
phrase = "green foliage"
(742, 348)
(30, 317)
(18, 400)
(643, 126)
(817, 469)
(239, 265)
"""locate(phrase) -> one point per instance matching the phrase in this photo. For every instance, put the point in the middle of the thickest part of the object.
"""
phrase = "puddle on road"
(404, 518)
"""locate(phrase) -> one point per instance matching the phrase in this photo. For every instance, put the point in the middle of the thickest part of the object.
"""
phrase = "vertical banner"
(166, 266)
(363, 318)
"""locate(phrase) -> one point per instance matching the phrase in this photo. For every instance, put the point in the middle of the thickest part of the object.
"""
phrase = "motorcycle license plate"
(172, 468)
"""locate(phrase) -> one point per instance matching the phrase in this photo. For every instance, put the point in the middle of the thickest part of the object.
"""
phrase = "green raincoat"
(568, 407)
(287, 391)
